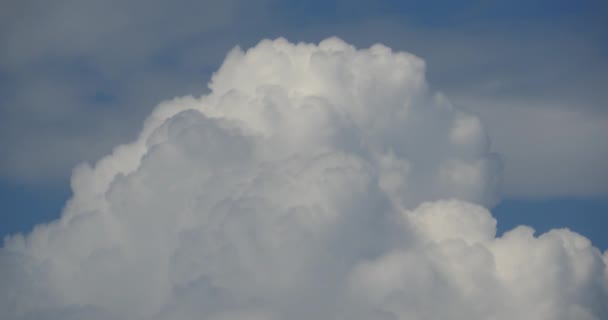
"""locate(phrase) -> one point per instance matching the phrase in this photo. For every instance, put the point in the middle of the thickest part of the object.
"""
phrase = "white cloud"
(314, 181)
(538, 90)
(59, 55)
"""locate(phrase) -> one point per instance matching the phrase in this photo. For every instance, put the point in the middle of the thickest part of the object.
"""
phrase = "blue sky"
(71, 88)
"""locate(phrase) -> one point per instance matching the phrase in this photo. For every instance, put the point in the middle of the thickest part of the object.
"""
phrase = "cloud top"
(313, 181)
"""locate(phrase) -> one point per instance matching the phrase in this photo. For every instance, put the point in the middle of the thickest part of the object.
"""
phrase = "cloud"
(97, 28)
(573, 138)
(313, 181)
(66, 88)
(76, 75)
(519, 80)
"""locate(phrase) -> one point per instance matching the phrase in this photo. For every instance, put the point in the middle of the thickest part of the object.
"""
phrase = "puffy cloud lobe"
(312, 182)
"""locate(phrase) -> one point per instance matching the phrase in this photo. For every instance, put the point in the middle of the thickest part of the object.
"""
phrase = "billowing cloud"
(66, 89)
(312, 182)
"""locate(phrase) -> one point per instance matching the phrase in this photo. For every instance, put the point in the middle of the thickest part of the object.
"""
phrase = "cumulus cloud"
(312, 182)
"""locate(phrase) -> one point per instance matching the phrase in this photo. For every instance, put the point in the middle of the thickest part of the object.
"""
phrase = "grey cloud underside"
(313, 181)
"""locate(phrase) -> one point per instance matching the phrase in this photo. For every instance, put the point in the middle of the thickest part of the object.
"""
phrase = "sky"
(520, 84)
(72, 88)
